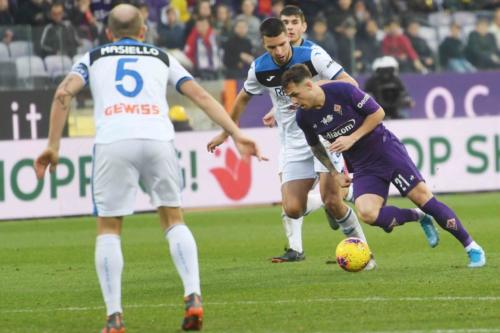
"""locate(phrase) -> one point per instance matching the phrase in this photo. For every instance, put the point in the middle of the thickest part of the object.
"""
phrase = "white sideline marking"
(291, 301)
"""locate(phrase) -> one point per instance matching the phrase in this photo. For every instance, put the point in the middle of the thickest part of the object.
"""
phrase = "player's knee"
(367, 214)
(294, 212)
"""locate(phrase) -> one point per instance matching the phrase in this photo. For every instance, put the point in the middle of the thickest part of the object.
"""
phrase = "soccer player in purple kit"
(352, 121)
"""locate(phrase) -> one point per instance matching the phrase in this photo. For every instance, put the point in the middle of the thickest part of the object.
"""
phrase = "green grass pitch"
(48, 282)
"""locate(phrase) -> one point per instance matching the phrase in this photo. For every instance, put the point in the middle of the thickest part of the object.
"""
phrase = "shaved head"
(125, 21)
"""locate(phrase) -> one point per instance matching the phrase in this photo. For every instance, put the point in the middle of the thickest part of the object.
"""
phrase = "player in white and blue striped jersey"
(298, 168)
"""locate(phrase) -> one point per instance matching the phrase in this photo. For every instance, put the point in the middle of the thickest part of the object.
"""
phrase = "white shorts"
(118, 168)
(307, 168)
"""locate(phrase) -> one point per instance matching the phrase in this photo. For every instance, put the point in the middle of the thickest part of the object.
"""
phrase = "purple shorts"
(395, 165)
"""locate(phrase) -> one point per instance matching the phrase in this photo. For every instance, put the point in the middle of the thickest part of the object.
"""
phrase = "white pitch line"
(285, 301)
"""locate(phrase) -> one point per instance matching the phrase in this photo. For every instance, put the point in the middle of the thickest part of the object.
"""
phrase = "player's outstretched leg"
(293, 230)
(109, 267)
(448, 220)
(185, 257)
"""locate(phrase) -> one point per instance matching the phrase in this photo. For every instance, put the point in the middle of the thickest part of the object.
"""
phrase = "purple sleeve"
(363, 103)
(311, 136)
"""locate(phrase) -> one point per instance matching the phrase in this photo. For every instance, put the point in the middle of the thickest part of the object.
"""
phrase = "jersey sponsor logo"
(127, 108)
(270, 78)
(279, 91)
(129, 49)
(327, 119)
(341, 130)
(363, 101)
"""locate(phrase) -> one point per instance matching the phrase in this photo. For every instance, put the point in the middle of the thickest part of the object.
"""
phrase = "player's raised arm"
(216, 112)
(61, 104)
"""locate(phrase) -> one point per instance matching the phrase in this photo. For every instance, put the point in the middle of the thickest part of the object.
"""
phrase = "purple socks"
(390, 216)
(447, 220)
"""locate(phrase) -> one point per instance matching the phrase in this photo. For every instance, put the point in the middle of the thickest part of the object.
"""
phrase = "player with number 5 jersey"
(134, 142)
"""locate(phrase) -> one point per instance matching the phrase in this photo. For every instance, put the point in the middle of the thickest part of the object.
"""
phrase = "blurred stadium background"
(447, 111)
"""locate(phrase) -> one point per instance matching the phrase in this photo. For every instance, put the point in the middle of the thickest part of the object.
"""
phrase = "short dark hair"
(291, 10)
(272, 27)
(295, 74)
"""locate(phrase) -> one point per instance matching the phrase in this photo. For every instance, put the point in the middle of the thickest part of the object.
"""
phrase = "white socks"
(109, 264)
(350, 225)
(109, 267)
(185, 256)
(349, 197)
(314, 202)
(293, 230)
(471, 246)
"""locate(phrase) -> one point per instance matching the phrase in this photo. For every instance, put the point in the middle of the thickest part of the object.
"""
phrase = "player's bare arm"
(216, 112)
(269, 120)
(345, 77)
(59, 112)
(321, 154)
(239, 107)
(344, 143)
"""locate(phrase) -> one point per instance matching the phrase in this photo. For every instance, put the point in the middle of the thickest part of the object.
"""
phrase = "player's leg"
(343, 215)
(338, 162)
(161, 178)
(371, 191)
(109, 267)
(398, 168)
(294, 195)
(184, 253)
(114, 185)
(448, 220)
(332, 196)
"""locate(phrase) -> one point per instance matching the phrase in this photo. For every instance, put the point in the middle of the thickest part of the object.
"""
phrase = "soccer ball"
(353, 254)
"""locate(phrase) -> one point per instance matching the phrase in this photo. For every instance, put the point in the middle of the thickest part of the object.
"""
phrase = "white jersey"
(265, 75)
(128, 80)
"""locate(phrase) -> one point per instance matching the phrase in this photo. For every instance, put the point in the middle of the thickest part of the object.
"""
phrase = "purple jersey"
(344, 111)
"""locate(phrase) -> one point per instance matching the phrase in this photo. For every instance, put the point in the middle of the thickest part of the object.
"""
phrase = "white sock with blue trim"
(109, 267)
(185, 257)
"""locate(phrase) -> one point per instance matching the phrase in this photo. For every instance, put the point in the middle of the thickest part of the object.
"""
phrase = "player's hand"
(269, 120)
(247, 147)
(342, 144)
(343, 180)
(217, 141)
(48, 158)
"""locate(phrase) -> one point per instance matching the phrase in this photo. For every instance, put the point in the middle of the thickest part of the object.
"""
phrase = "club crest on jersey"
(337, 109)
(451, 224)
(327, 119)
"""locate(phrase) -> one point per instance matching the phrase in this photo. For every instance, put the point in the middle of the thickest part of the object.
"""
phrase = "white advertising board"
(454, 155)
